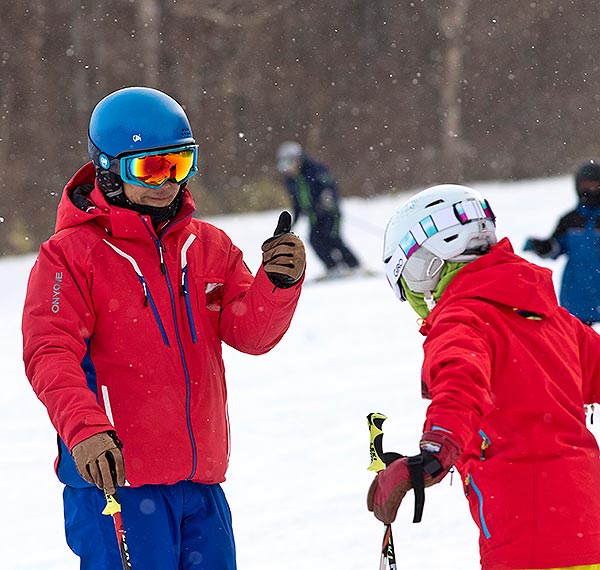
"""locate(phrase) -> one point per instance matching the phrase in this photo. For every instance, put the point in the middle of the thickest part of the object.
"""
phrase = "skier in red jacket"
(127, 306)
(508, 373)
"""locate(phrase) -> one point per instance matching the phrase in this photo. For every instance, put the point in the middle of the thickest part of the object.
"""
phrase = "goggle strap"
(95, 152)
(393, 271)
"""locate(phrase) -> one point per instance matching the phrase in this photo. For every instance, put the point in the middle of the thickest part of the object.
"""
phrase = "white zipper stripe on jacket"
(109, 413)
(107, 407)
(133, 262)
(184, 249)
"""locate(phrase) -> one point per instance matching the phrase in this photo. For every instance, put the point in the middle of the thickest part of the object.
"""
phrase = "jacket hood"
(504, 278)
(68, 214)
(115, 220)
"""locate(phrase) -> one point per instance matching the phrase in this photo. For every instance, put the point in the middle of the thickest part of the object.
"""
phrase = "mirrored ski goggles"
(458, 214)
(153, 169)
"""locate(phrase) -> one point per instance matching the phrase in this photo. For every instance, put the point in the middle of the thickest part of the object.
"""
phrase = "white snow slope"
(300, 446)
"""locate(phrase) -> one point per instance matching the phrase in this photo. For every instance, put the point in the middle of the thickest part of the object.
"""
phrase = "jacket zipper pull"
(467, 484)
(182, 288)
(590, 410)
(485, 443)
(163, 268)
(145, 287)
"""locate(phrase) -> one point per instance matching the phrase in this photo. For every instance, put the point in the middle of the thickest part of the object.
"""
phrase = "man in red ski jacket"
(509, 373)
(126, 309)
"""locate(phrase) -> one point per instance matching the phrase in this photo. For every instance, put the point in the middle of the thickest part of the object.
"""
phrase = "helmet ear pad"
(422, 271)
(109, 183)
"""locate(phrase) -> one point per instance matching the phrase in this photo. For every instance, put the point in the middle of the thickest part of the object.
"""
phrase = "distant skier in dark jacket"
(578, 237)
(314, 193)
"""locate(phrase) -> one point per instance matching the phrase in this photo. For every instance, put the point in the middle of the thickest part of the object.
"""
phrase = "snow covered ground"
(298, 477)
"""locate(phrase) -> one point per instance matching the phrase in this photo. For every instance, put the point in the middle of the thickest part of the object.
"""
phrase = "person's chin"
(157, 202)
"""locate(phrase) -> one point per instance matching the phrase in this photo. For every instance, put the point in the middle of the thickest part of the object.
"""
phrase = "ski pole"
(379, 461)
(113, 508)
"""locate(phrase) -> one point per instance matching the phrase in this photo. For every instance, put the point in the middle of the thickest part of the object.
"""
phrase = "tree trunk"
(148, 18)
(453, 27)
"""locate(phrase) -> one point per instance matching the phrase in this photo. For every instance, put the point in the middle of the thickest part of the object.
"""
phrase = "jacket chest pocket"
(203, 297)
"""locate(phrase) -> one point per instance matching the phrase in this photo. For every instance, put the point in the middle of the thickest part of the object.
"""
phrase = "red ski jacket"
(123, 327)
(508, 372)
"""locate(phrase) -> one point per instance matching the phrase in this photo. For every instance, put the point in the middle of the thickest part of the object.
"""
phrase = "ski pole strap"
(417, 478)
(418, 467)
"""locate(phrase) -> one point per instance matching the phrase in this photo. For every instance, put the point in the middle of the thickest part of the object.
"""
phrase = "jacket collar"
(503, 278)
(116, 221)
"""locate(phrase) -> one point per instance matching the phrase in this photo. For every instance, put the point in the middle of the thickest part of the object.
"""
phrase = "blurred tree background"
(391, 95)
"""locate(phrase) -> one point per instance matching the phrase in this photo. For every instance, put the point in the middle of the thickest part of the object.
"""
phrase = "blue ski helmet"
(136, 119)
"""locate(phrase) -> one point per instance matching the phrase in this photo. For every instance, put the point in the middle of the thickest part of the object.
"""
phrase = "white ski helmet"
(443, 223)
(288, 154)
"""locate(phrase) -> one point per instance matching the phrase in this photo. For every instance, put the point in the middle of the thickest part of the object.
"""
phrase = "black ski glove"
(284, 257)
(543, 247)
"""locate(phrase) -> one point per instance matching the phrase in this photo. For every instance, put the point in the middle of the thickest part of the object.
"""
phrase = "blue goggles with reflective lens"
(153, 168)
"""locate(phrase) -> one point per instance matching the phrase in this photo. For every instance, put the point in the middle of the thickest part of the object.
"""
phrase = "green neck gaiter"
(417, 300)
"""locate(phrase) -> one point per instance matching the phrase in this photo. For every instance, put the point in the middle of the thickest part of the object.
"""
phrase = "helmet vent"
(450, 238)
(434, 203)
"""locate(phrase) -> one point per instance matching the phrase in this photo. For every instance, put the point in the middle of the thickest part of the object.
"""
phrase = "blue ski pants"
(186, 526)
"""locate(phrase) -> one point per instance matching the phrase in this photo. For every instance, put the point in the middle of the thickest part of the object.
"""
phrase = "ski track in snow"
(298, 477)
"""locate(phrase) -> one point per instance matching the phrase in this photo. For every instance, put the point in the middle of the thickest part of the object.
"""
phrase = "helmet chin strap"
(434, 268)
(429, 300)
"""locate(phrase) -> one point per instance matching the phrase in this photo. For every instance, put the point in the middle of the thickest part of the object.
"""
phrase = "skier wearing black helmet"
(577, 236)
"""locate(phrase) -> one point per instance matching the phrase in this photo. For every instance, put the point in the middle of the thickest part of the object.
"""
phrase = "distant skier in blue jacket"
(578, 237)
(314, 193)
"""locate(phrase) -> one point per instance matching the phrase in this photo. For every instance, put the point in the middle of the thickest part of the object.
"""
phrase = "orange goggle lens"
(155, 169)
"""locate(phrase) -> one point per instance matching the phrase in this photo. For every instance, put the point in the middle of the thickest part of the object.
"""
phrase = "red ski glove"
(438, 453)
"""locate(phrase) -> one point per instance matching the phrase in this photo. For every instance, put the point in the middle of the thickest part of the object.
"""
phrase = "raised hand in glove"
(543, 247)
(100, 462)
(439, 452)
(284, 257)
